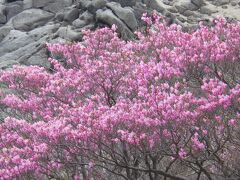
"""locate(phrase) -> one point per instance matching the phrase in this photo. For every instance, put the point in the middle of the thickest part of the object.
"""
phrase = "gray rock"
(7, 64)
(71, 14)
(54, 7)
(39, 59)
(50, 5)
(83, 4)
(42, 3)
(234, 3)
(108, 17)
(188, 13)
(2, 9)
(3, 19)
(95, 5)
(36, 3)
(172, 10)
(30, 19)
(40, 32)
(27, 4)
(206, 10)
(221, 2)
(87, 17)
(198, 3)
(78, 23)
(69, 34)
(26, 47)
(166, 2)
(125, 14)
(59, 16)
(12, 10)
(180, 9)
(224, 6)
(4, 31)
(154, 4)
(14, 40)
(126, 2)
(186, 5)
(180, 18)
(57, 5)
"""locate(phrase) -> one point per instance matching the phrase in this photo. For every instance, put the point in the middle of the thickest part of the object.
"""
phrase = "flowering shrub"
(163, 106)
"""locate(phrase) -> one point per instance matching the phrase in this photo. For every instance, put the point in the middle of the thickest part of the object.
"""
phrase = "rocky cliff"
(25, 26)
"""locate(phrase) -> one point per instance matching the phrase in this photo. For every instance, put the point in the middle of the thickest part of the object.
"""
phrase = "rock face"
(107, 16)
(126, 14)
(26, 25)
(30, 19)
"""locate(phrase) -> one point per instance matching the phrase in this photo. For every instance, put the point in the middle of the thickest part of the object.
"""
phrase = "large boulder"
(22, 47)
(126, 14)
(108, 17)
(30, 19)
(14, 40)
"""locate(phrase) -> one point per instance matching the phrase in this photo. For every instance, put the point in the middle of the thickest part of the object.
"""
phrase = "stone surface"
(206, 10)
(69, 34)
(83, 4)
(221, 2)
(22, 47)
(30, 19)
(95, 5)
(108, 17)
(78, 23)
(87, 17)
(4, 31)
(27, 4)
(39, 58)
(198, 3)
(3, 17)
(126, 2)
(188, 13)
(125, 14)
(13, 9)
(41, 3)
(71, 14)
(7, 64)
(187, 5)
(155, 4)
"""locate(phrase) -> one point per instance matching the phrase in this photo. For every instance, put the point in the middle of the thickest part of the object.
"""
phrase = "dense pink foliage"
(164, 105)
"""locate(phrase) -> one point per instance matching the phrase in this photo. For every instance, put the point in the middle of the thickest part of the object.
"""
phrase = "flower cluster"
(166, 102)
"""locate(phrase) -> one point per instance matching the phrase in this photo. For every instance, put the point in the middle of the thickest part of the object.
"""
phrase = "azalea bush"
(165, 106)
